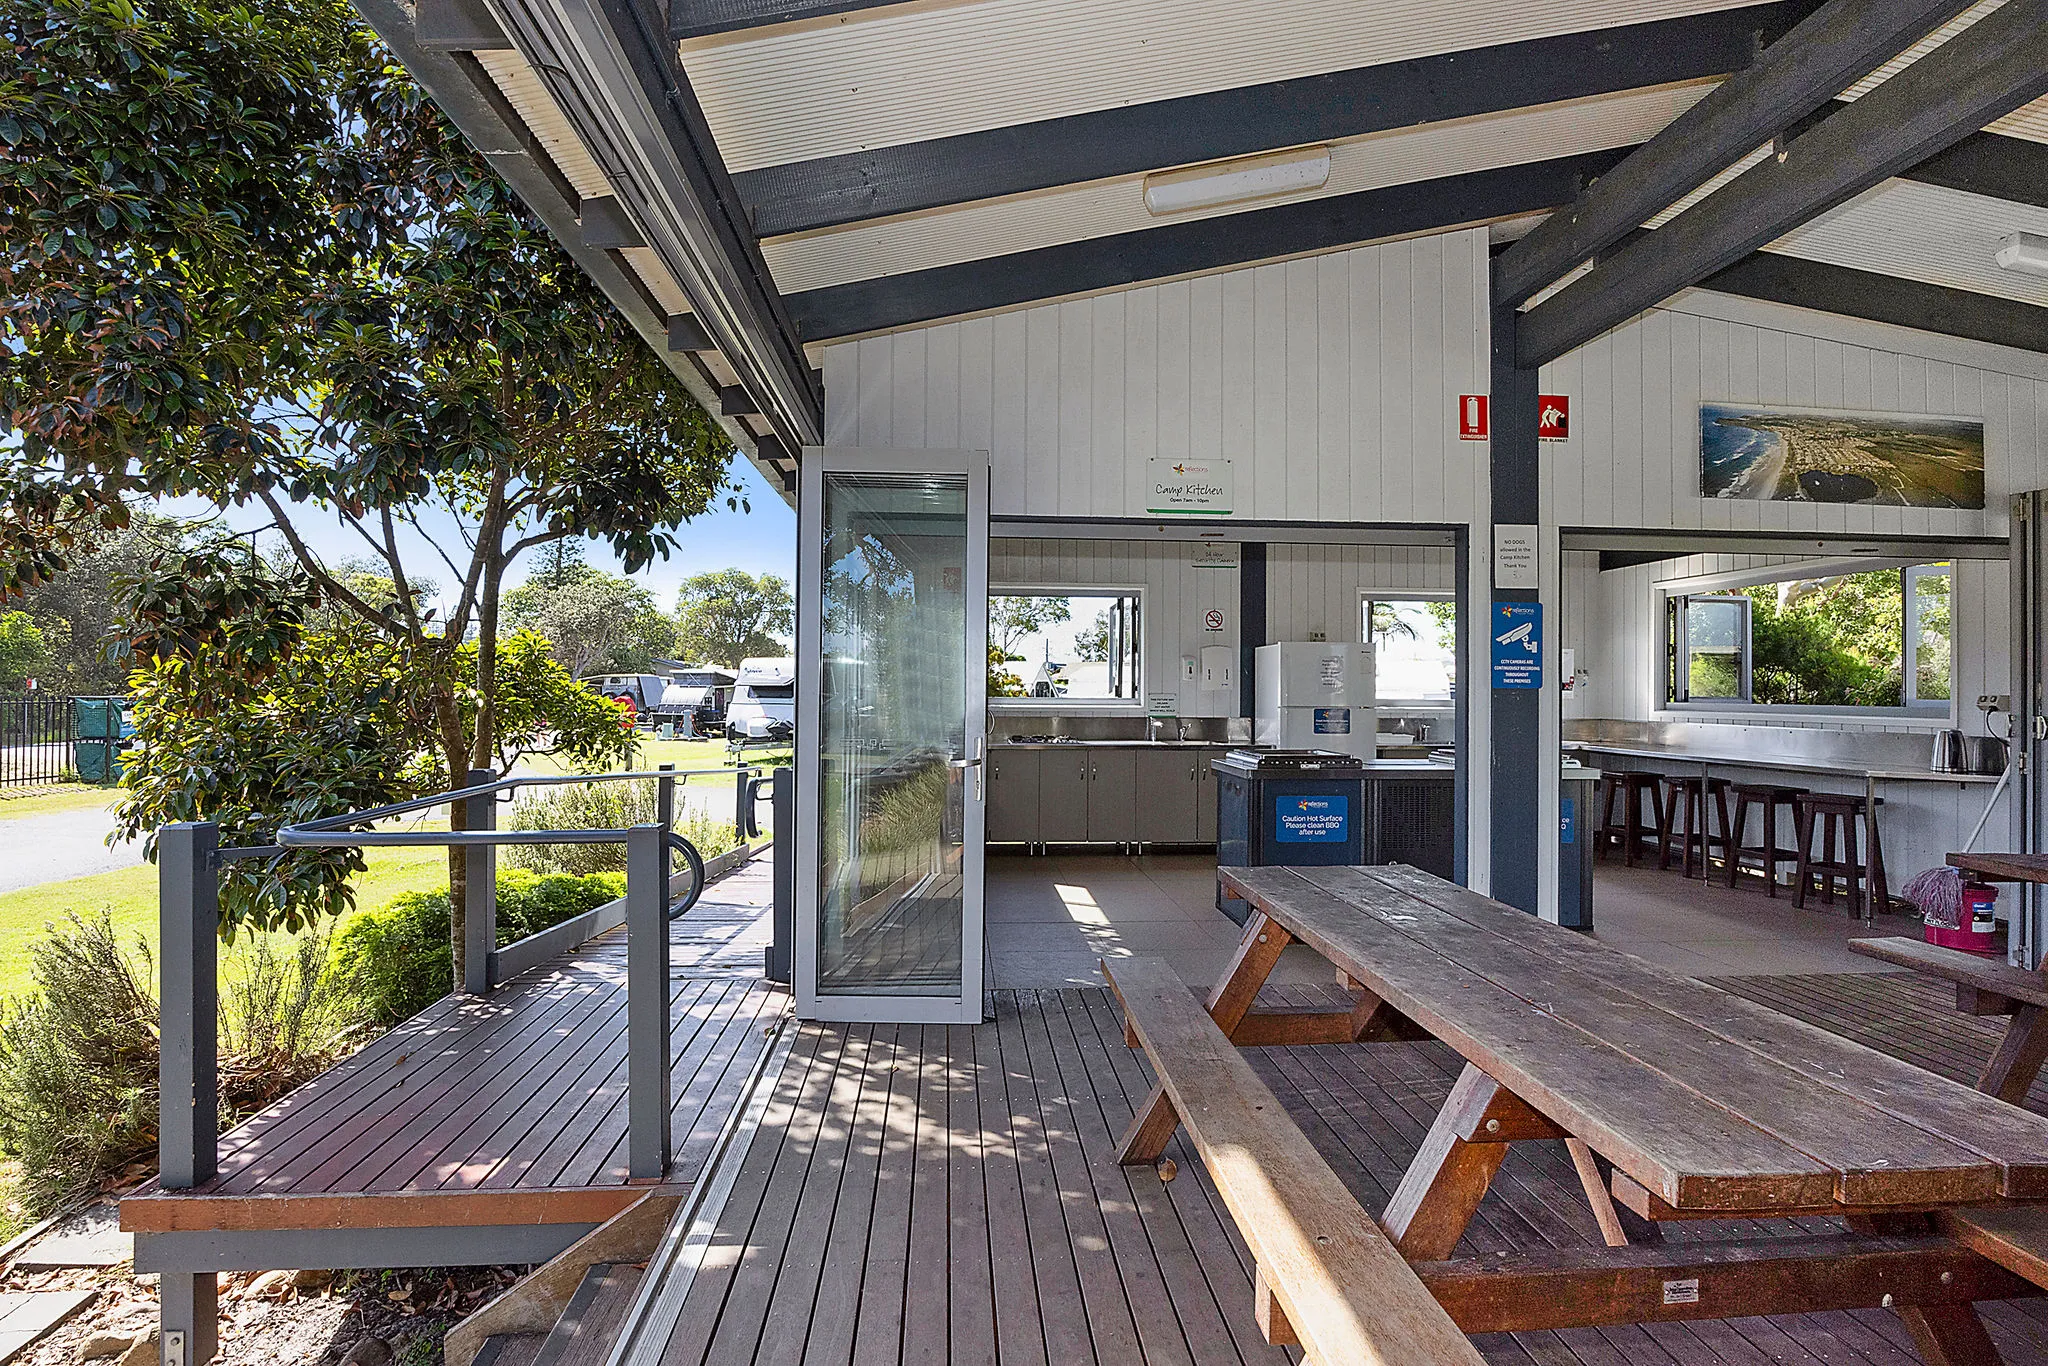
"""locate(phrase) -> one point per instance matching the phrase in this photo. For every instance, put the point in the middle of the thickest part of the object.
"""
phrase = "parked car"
(763, 701)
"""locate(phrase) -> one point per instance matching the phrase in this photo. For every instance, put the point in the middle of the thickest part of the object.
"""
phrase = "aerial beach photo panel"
(1813, 455)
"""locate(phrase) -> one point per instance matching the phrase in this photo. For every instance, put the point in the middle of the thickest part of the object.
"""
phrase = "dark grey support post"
(188, 1114)
(480, 928)
(665, 817)
(742, 801)
(1516, 782)
(647, 1003)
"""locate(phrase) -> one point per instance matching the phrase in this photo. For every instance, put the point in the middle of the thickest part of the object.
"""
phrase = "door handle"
(963, 763)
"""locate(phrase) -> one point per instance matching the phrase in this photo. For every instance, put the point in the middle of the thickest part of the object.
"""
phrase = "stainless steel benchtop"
(1687, 754)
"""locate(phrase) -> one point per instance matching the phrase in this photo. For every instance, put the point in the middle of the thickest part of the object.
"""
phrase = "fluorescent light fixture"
(2025, 252)
(1231, 182)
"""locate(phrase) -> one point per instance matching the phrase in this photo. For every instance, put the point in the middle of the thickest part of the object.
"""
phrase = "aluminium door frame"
(969, 1006)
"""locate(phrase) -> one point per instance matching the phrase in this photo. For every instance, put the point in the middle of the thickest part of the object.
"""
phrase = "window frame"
(1136, 591)
(1678, 653)
(1368, 596)
(1933, 712)
(1909, 637)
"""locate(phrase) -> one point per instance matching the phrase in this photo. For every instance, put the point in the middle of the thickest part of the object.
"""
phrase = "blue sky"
(760, 541)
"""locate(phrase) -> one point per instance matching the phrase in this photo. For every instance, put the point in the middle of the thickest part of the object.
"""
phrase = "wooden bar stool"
(1628, 829)
(1686, 832)
(1831, 815)
(1769, 799)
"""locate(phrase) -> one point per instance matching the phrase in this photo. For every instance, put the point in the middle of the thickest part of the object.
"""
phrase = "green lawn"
(682, 753)
(129, 894)
(41, 801)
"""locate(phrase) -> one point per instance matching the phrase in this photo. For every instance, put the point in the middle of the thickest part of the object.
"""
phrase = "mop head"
(1938, 895)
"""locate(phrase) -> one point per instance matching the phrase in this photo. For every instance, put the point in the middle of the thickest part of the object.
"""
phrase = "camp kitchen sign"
(1200, 488)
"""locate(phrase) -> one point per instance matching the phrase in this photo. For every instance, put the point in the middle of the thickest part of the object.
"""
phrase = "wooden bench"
(1984, 986)
(1328, 1278)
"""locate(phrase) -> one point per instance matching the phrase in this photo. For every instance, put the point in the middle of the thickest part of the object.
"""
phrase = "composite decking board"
(1187, 1304)
(251, 1150)
(1903, 1014)
(462, 1121)
(1048, 1083)
(1225, 1263)
(380, 1105)
(519, 1129)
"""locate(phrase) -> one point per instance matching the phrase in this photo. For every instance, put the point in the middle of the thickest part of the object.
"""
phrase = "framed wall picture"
(1815, 455)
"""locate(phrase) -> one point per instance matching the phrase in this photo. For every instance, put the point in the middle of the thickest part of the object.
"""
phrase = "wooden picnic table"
(2003, 867)
(1676, 1100)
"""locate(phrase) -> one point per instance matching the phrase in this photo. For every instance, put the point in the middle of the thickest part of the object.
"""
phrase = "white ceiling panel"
(968, 232)
(544, 118)
(2028, 121)
(1926, 233)
(647, 265)
(908, 73)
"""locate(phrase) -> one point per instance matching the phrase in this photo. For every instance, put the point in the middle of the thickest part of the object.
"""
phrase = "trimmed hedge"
(397, 960)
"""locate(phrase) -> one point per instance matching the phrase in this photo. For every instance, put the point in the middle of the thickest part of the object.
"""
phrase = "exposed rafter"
(877, 182)
(615, 75)
(701, 18)
(1825, 54)
(1189, 248)
(1884, 299)
(1990, 69)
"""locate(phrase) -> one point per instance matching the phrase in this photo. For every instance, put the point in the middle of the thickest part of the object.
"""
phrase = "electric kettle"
(1949, 756)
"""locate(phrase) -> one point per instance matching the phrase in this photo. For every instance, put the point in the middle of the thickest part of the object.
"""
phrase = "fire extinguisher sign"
(1472, 417)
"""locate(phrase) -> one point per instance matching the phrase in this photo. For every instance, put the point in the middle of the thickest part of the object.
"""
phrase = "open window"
(1083, 645)
(1867, 640)
(1415, 647)
(1709, 647)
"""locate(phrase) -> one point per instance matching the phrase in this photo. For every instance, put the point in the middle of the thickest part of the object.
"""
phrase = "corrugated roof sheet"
(1926, 233)
(537, 109)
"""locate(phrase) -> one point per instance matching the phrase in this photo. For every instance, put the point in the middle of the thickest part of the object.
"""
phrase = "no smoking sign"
(1213, 619)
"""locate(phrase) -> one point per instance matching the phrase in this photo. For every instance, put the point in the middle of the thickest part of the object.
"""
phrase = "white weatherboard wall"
(1633, 457)
(1312, 588)
(1329, 383)
(1177, 596)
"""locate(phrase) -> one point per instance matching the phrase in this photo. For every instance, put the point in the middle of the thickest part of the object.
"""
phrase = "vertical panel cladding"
(1312, 588)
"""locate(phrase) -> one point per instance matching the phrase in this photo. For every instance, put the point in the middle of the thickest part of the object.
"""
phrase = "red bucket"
(1979, 933)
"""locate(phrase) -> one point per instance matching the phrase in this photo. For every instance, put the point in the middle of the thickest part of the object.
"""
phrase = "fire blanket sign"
(1312, 820)
(1517, 645)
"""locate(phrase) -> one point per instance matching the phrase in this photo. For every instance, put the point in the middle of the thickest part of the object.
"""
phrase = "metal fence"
(35, 739)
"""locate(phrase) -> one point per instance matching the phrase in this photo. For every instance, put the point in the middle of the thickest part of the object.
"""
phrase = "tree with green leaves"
(249, 261)
(596, 622)
(727, 615)
(78, 610)
(23, 650)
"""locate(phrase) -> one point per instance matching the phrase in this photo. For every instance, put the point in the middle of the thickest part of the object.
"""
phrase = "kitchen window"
(1066, 645)
(1415, 647)
(1875, 640)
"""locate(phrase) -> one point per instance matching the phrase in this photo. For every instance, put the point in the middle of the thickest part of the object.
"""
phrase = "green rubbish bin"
(96, 761)
(97, 718)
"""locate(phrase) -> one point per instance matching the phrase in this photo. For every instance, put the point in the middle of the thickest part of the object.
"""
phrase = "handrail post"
(665, 817)
(742, 786)
(647, 1003)
(188, 1097)
(480, 877)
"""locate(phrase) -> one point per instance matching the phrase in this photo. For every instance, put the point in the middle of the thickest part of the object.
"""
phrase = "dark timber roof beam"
(1884, 299)
(877, 182)
(1984, 73)
(457, 26)
(1193, 247)
(1825, 54)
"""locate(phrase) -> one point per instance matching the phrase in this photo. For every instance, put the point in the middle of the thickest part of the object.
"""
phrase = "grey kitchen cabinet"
(1168, 796)
(1205, 800)
(1012, 795)
(1063, 794)
(1112, 796)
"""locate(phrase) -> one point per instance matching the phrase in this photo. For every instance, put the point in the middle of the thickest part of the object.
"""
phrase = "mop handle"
(1982, 820)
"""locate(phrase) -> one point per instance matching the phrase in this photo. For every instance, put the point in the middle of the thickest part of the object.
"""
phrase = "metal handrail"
(303, 834)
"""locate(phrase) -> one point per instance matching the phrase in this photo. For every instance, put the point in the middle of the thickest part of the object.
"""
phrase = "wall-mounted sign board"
(1215, 555)
(1517, 632)
(1514, 555)
(1185, 488)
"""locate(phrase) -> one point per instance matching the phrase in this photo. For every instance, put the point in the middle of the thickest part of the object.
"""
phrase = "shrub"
(604, 806)
(397, 960)
(78, 1058)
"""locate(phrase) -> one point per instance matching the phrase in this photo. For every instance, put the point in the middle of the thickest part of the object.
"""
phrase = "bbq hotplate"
(1317, 763)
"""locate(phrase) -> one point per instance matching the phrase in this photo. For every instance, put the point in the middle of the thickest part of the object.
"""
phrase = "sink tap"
(1153, 724)
(1181, 730)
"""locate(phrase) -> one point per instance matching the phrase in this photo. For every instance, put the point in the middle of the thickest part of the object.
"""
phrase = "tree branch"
(311, 563)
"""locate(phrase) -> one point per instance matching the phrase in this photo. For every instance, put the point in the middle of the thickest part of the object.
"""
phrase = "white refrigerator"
(1315, 695)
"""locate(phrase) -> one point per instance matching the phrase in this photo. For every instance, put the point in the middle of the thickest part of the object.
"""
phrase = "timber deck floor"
(526, 1088)
(947, 1194)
